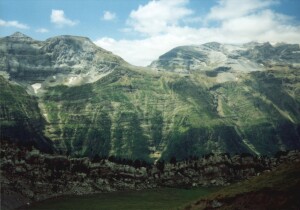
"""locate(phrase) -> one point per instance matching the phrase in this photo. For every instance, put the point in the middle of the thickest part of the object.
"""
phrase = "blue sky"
(141, 30)
(89, 14)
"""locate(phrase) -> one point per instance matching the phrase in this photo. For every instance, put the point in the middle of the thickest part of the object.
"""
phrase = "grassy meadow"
(166, 198)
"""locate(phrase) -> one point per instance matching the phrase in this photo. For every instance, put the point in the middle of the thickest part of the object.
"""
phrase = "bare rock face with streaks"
(65, 60)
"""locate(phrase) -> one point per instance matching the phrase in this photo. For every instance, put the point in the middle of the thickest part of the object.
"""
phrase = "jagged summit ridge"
(19, 35)
(247, 57)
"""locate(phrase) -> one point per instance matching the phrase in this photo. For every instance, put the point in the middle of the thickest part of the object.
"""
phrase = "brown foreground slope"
(278, 189)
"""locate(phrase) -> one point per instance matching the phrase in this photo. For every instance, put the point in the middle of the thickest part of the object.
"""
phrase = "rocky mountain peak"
(70, 39)
(19, 36)
(253, 44)
(213, 45)
(73, 43)
(71, 60)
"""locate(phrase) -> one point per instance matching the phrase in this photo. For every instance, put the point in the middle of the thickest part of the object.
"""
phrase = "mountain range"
(68, 95)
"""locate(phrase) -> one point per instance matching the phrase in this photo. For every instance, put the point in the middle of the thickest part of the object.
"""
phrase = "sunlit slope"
(278, 189)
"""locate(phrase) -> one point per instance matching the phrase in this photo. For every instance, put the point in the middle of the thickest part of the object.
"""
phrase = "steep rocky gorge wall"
(32, 175)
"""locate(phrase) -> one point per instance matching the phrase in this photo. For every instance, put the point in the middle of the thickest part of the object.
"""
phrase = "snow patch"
(36, 87)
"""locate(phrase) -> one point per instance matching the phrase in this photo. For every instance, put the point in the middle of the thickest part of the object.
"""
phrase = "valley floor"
(278, 189)
(162, 198)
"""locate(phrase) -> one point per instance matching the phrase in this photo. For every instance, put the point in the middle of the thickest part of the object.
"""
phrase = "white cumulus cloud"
(42, 30)
(59, 19)
(164, 25)
(142, 52)
(107, 15)
(156, 16)
(227, 9)
(13, 23)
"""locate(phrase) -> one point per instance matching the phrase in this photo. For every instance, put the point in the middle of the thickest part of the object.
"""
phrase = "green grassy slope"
(20, 116)
(263, 109)
(163, 199)
(134, 113)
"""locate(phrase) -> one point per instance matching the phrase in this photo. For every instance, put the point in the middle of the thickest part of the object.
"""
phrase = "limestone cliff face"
(65, 59)
(91, 102)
